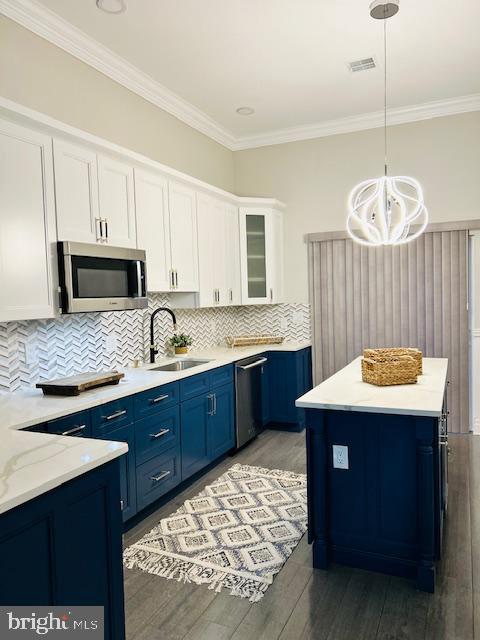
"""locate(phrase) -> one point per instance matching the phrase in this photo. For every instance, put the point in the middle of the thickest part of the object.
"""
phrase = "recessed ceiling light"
(245, 111)
(112, 6)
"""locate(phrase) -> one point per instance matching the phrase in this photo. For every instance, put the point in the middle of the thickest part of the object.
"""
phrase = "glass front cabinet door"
(261, 243)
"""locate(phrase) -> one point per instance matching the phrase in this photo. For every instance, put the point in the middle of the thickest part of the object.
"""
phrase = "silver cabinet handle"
(231, 295)
(211, 407)
(271, 295)
(160, 476)
(73, 430)
(121, 505)
(257, 363)
(214, 404)
(98, 228)
(117, 414)
(176, 279)
(172, 282)
(159, 399)
(162, 432)
(106, 229)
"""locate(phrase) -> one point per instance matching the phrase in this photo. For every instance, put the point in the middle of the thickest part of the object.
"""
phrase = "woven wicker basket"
(247, 341)
(394, 352)
(389, 371)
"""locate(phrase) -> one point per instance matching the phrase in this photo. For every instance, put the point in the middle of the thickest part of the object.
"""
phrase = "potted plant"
(180, 342)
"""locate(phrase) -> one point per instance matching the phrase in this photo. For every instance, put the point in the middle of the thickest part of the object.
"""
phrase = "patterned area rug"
(236, 534)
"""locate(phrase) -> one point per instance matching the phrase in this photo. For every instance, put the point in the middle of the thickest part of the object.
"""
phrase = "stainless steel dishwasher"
(248, 405)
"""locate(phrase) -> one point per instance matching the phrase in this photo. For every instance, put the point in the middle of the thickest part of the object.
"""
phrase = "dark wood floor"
(341, 603)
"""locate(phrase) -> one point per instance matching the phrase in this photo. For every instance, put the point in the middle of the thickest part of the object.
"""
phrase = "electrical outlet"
(31, 356)
(340, 456)
(110, 344)
(298, 318)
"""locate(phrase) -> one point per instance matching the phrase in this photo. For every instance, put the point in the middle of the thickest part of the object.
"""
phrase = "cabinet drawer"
(194, 386)
(222, 375)
(156, 399)
(158, 476)
(76, 424)
(157, 433)
(112, 415)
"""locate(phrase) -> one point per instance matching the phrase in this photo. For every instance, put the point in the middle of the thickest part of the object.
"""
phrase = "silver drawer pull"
(117, 414)
(159, 399)
(73, 430)
(161, 476)
(162, 432)
(122, 506)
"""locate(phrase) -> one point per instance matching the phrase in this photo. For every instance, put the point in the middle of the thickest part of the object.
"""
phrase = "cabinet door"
(207, 296)
(27, 224)
(153, 228)
(221, 435)
(128, 497)
(194, 416)
(275, 259)
(253, 247)
(183, 236)
(232, 256)
(283, 386)
(116, 201)
(76, 192)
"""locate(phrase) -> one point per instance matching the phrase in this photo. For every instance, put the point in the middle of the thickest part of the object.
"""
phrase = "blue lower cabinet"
(289, 377)
(128, 497)
(110, 416)
(194, 416)
(77, 424)
(65, 548)
(220, 427)
(156, 434)
(158, 476)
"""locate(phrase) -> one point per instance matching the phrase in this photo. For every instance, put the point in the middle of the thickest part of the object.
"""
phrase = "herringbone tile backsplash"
(46, 349)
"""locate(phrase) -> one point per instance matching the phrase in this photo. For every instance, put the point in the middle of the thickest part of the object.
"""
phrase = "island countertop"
(345, 391)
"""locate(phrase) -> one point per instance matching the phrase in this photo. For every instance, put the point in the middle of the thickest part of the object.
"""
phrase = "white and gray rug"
(236, 534)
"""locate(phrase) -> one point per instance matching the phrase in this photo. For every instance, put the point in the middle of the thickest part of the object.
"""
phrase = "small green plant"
(180, 340)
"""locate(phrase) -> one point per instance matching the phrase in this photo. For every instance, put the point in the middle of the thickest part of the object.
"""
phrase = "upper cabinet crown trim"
(50, 26)
(15, 112)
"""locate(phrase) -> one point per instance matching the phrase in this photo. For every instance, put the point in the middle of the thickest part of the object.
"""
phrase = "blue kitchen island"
(377, 472)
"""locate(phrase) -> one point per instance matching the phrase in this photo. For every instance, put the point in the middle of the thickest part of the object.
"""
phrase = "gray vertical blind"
(409, 295)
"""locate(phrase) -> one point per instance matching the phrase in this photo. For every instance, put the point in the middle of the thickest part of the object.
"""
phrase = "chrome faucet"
(153, 347)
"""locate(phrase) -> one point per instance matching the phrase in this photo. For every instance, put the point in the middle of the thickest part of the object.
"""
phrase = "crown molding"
(50, 26)
(373, 120)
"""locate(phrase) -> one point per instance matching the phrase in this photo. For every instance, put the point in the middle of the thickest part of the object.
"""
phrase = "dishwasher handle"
(252, 365)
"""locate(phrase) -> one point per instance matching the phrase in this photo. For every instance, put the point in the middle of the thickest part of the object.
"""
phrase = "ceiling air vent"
(361, 65)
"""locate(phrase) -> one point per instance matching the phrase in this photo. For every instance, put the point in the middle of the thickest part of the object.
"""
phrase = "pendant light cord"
(385, 92)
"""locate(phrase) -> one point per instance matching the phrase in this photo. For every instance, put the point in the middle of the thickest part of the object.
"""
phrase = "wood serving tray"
(74, 385)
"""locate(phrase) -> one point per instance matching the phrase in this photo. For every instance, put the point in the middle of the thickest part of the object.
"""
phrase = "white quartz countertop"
(33, 463)
(345, 391)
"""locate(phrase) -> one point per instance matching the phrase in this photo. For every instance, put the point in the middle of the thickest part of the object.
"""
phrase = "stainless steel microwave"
(101, 278)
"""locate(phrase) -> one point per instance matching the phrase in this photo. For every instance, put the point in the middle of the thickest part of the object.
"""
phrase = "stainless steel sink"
(180, 365)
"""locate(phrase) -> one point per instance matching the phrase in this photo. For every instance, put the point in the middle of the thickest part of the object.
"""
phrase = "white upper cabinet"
(116, 202)
(261, 249)
(94, 197)
(76, 192)
(218, 255)
(153, 228)
(232, 256)
(183, 237)
(27, 224)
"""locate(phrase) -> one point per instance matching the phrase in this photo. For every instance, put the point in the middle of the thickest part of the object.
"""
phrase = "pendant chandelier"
(387, 210)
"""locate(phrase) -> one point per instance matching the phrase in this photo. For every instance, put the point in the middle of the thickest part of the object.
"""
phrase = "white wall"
(314, 178)
(43, 77)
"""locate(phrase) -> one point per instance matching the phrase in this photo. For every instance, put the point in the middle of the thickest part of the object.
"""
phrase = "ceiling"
(288, 58)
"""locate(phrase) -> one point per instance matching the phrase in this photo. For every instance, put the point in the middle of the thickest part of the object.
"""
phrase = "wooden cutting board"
(74, 385)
